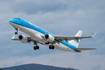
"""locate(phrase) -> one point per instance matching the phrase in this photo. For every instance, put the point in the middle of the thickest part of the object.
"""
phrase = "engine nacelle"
(23, 38)
(49, 38)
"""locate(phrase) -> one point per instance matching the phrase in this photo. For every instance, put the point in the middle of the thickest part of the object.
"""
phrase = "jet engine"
(23, 38)
(49, 38)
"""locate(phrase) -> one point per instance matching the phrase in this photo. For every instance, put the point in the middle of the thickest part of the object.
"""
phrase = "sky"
(60, 17)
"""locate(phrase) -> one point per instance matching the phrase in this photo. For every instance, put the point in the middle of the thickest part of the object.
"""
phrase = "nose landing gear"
(16, 30)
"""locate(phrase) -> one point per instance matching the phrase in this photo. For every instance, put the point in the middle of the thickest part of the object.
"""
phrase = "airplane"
(39, 35)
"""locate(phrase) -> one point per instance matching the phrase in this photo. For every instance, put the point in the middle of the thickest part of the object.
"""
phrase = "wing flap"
(85, 49)
(15, 39)
(70, 38)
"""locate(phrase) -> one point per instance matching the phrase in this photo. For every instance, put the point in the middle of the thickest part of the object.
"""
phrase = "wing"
(61, 38)
(13, 38)
(16, 39)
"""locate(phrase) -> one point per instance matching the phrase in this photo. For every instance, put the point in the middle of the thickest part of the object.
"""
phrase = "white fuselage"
(36, 35)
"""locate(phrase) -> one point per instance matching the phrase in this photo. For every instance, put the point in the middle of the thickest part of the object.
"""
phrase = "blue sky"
(61, 17)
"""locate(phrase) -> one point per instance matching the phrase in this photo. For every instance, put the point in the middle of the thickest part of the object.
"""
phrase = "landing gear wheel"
(37, 47)
(16, 32)
(34, 47)
(51, 47)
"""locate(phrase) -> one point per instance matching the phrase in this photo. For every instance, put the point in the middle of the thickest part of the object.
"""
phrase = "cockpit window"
(17, 18)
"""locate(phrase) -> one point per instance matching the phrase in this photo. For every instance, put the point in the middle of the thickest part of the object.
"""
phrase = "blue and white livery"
(39, 35)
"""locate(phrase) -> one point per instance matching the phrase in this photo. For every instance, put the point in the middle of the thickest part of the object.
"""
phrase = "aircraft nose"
(11, 22)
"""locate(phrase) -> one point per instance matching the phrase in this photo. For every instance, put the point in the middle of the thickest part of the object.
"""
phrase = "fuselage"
(36, 33)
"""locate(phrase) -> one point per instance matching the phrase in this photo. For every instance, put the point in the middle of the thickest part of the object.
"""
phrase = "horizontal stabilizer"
(85, 49)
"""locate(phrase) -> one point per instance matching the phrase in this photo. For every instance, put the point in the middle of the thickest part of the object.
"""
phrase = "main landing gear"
(36, 47)
(51, 47)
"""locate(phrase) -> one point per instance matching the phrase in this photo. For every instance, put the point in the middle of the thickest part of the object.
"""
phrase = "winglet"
(94, 34)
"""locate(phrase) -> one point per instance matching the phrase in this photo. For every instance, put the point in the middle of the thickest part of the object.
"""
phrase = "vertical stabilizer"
(76, 42)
